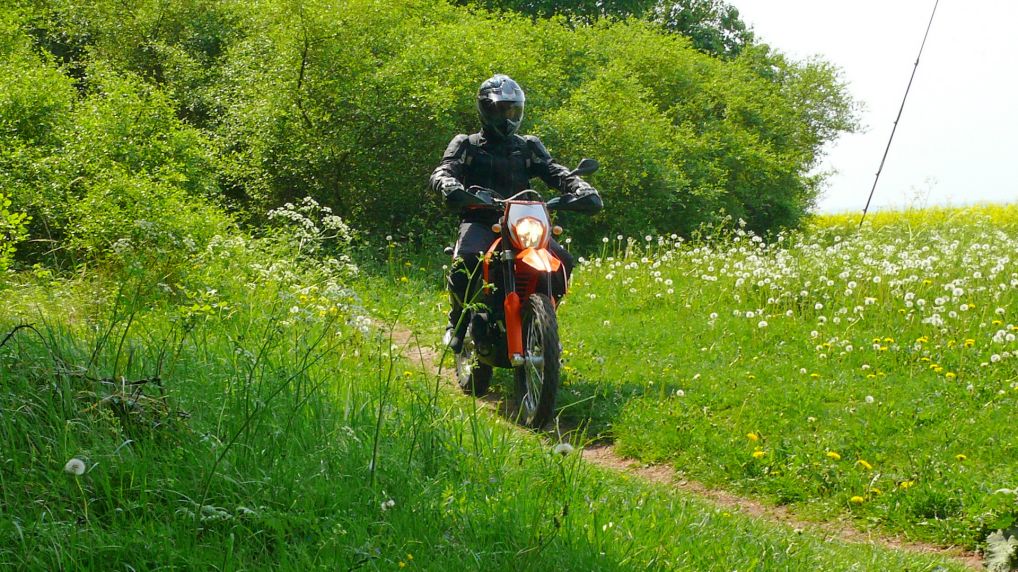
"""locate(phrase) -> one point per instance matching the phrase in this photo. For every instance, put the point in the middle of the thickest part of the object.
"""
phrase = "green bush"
(12, 231)
(352, 102)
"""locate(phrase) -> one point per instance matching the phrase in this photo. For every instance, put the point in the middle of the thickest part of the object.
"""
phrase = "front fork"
(514, 328)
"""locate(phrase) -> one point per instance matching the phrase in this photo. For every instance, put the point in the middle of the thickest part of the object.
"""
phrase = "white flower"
(562, 449)
(762, 324)
(386, 505)
(818, 306)
(75, 467)
(713, 315)
(993, 359)
(680, 393)
(869, 399)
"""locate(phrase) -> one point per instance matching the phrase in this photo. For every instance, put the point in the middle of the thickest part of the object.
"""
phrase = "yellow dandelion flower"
(969, 343)
(951, 343)
(924, 359)
(815, 375)
(752, 436)
(758, 454)
(857, 500)
(833, 455)
(904, 485)
(883, 348)
(876, 340)
(871, 376)
(998, 322)
(876, 491)
(402, 564)
(862, 463)
(960, 457)
(927, 282)
(922, 340)
(889, 340)
(950, 375)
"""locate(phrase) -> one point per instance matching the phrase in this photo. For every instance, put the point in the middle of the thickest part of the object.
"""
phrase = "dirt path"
(604, 455)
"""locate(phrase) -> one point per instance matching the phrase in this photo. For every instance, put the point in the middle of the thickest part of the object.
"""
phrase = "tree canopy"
(156, 114)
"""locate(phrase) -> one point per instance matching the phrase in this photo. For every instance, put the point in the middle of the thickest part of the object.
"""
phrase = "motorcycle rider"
(498, 159)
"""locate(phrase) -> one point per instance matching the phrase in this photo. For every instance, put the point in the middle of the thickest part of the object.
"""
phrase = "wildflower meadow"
(865, 372)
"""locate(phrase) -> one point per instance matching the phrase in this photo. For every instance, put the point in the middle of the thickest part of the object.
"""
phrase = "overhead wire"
(900, 110)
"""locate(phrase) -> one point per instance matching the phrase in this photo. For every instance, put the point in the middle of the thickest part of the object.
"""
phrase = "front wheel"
(537, 379)
(473, 378)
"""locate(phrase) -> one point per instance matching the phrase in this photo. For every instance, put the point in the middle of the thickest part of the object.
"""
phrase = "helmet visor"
(503, 110)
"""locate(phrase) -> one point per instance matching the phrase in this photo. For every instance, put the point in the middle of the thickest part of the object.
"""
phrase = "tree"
(714, 26)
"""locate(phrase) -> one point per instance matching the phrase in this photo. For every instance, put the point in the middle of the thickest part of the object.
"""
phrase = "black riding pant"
(465, 277)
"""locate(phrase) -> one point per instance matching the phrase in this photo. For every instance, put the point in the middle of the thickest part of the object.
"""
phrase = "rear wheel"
(473, 378)
(537, 379)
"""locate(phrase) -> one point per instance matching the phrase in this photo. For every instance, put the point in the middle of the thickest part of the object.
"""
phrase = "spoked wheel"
(474, 378)
(537, 379)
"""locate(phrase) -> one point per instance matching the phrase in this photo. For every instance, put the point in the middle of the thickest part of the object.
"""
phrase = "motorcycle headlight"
(530, 232)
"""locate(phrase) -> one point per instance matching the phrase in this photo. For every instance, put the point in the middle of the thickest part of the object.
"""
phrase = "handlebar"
(481, 197)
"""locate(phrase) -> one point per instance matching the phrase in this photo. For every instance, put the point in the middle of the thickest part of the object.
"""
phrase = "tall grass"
(251, 417)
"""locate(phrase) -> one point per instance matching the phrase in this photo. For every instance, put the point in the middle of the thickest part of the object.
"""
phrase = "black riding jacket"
(502, 165)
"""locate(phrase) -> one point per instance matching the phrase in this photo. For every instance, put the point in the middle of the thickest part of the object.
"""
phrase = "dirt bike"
(516, 325)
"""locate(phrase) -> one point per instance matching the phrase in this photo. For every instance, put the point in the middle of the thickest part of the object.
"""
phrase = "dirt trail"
(604, 455)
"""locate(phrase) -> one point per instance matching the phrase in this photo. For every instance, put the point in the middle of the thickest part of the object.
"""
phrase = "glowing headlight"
(529, 231)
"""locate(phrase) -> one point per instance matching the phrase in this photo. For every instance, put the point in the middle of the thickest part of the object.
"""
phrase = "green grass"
(870, 373)
(247, 417)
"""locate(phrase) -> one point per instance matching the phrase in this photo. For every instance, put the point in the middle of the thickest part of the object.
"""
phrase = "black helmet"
(500, 104)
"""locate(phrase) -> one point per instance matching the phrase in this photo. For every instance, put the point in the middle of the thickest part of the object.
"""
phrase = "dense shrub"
(351, 102)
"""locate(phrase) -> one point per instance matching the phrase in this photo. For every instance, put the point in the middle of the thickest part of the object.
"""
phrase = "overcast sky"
(957, 142)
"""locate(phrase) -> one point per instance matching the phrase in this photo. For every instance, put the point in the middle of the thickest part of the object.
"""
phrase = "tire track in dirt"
(605, 456)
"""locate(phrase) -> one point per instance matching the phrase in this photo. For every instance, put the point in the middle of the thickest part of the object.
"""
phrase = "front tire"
(473, 378)
(537, 380)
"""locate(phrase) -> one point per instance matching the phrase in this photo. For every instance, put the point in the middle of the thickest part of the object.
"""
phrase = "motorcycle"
(515, 325)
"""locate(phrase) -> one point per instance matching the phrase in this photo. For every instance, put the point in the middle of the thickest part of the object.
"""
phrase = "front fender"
(539, 259)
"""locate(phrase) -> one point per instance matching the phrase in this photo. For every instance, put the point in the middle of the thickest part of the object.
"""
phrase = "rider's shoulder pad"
(456, 147)
(538, 151)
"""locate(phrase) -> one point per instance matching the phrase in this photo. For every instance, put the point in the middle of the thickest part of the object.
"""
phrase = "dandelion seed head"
(75, 467)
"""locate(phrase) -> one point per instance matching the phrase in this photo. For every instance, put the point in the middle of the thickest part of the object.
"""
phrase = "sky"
(957, 141)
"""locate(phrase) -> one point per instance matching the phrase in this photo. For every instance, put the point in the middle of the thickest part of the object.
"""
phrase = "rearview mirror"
(586, 167)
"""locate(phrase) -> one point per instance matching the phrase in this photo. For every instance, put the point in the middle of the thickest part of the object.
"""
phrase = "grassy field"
(871, 373)
(250, 412)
